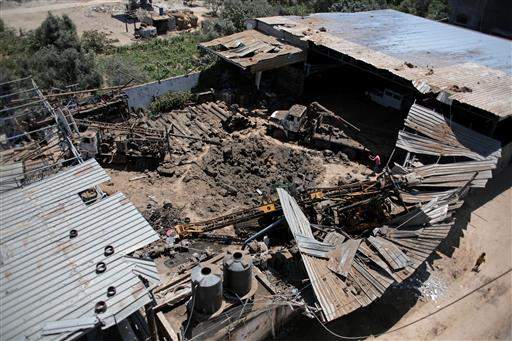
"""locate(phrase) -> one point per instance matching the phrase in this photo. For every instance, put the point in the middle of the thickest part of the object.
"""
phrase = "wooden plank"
(171, 333)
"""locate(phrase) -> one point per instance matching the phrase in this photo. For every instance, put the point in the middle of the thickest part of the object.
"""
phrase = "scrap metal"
(434, 134)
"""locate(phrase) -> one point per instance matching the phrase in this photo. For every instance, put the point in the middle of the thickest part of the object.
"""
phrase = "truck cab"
(291, 120)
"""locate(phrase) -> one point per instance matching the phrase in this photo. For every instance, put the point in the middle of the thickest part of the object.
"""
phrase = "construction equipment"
(314, 125)
(363, 188)
(122, 143)
(300, 122)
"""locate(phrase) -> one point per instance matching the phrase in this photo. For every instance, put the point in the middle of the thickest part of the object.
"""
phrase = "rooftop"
(472, 67)
(254, 51)
(56, 271)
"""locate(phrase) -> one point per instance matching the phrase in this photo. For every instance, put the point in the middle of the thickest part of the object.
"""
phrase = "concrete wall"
(142, 95)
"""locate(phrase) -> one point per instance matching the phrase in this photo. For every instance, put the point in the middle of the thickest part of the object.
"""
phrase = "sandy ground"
(484, 224)
(487, 314)
(86, 14)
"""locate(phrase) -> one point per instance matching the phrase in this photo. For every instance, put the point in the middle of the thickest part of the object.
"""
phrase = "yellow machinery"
(314, 195)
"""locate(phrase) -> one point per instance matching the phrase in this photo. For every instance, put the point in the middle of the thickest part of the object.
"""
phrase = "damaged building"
(269, 222)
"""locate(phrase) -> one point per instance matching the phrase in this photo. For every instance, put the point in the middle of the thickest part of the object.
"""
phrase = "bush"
(215, 28)
(51, 54)
(170, 101)
(438, 9)
(357, 6)
(95, 41)
(300, 9)
(119, 71)
(238, 11)
(213, 5)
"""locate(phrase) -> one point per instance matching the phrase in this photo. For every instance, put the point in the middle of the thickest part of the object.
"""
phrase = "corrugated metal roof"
(11, 175)
(443, 57)
(372, 269)
(434, 134)
(49, 276)
(254, 51)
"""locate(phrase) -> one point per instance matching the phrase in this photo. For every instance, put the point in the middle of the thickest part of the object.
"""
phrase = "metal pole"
(262, 232)
(20, 106)
(30, 132)
(17, 93)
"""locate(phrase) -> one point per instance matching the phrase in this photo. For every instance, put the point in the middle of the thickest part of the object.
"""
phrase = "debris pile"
(164, 217)
(243, 168)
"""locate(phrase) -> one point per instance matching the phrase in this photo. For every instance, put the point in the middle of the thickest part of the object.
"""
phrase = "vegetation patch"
(153, 60)
(170, 101)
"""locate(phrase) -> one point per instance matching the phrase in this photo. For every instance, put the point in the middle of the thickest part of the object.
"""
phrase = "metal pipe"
(20, 106)
(30, 132)
(17, 93)
(262, 232)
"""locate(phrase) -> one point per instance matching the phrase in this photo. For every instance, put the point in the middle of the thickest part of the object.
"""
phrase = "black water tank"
(206, 288)
(237, 273)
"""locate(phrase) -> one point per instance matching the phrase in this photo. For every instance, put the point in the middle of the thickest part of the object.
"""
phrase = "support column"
(257, 79)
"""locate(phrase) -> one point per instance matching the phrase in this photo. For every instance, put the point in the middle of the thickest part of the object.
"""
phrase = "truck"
(315, 126)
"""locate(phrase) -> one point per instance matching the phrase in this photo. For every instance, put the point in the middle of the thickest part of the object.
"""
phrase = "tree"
(57, 31)
(238, 11)
(57, 58)
(438, 9)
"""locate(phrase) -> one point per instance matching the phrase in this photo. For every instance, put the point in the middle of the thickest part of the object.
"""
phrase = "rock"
(328, 152)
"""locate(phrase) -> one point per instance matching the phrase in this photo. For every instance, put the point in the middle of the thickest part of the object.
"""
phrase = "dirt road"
(87, 15)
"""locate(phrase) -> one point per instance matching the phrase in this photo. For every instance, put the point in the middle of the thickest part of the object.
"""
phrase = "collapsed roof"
(359, 270)
(254, 51)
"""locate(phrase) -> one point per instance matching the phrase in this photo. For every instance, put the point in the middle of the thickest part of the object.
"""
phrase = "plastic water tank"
(206, 288)
(237, 273)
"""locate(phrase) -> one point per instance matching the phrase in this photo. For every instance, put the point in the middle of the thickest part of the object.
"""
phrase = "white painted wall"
(142, 95)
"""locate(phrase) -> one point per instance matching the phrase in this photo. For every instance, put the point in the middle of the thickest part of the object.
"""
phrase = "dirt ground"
(198, 197)
(484, 224)
(86, 14)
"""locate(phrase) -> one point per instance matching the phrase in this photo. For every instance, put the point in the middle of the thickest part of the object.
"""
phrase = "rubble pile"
(164, 217)
(245, 167)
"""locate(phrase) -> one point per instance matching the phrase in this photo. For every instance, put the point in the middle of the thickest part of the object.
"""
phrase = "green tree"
(57, 31)
(238, 11)
(438, 9)
(57, 58)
